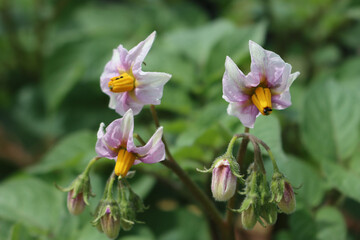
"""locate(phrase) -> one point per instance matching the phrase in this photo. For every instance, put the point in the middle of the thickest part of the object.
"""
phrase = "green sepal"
(277, 187)
(81, 184)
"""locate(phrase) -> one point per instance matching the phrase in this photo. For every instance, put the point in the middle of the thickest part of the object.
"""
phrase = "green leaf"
(189, 226)
(31, 202)
(330, 121)
(302, 226)
(330, 224)
(234, 44)
(19, 232)
(74, 151)
(343, 180)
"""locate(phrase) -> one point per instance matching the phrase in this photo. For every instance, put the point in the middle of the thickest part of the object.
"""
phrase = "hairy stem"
(231, 203)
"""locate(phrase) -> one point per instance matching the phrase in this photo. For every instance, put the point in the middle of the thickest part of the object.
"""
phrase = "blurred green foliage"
(52, 54)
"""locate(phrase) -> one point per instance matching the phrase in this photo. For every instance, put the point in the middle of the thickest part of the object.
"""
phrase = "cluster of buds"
(112, 214)
(263, 202)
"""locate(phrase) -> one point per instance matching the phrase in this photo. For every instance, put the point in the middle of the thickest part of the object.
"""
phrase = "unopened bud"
(248, 218)
(287, 203)
(269, 213)
(75, 203)
(223, 182)
(137, 202)
(110, 223)
(128, 215)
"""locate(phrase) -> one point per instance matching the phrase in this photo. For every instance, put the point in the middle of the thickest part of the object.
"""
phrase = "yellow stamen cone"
(262, 100)
(123, 83)
(124, 162)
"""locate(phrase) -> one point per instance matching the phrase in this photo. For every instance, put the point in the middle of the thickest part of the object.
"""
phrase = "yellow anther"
(124, 162)
(262, 100)
(123, 83)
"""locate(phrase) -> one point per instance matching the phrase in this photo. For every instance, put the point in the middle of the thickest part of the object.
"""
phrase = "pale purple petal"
(286, 80)
(153, 151)
(138, 53)
(102, 148)
(265, 64)
(258, 59)
(150, 85)
(281, 101)
(235, 83)
(126, 101)
(118, 133)
(127, 127)
(246, 112)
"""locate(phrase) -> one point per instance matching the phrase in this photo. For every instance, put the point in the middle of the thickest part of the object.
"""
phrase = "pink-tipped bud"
(75, 204)
(288, 201)
(110, 224)
(223, 183)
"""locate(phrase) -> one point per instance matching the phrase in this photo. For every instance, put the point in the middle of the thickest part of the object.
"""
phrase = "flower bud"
(110, 223)
(75, 203)
(79, 192)
(287, 203)
(223, 182)
(248, 218)
(269, 213)
(128, 215)
(137, 202)
(107, 217)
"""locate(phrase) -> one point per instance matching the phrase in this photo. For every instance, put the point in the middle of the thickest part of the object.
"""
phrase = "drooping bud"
(248, 218)
(79, 192)
(287, 203)
(225, 171)
(137, 202)
(269, 213)
(223, 182)
(277, 187)
(108, 218)
(110, 222)
(75, 203)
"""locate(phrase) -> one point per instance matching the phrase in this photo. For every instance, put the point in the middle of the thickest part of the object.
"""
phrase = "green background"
(52, 54)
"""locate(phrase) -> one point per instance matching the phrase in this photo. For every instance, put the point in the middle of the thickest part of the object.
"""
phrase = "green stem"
(271, 155)
(257, 155)
(231, 145)
(90, 164)
(207, 205)
(240, 159)
(109, 186)
(157, 124)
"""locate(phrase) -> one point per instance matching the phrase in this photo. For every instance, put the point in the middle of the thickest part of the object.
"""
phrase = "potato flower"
(117, 143)
(265, 88)
(126, 84)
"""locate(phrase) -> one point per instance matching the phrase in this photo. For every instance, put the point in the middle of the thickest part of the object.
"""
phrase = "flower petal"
(153, 151)
(102, 148)
(150, 87)
(258, 59)
(127, 127)
(235, 83)
(246, 112)
(138, 53)
(281, 101)
(126, 101)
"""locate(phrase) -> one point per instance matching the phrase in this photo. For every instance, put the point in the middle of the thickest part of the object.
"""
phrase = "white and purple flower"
(265, 88)
(126, 84)
(117, 143)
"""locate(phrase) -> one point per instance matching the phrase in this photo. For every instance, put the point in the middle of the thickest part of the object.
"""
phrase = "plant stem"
(109, 185)
(267, 148)
(157, 124)
(231, 203)
(90, 164)
(206, 203)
